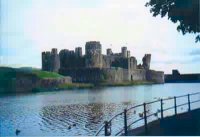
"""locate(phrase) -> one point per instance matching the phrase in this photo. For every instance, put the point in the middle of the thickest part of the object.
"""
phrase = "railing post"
(125, 122)
(161, 108)
(106, 128)
(175, 106)
(145, 118)
(189, 108)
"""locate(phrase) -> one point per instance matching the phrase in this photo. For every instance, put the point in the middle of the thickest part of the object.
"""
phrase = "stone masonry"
(95, 67)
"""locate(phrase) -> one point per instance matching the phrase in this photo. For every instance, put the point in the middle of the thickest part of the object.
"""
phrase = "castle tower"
(93, 56)
(109, 52)
(46, 61)
(132, 63)
(55, 61)
(146, 61)
(128, 54)
(78, 52)
(43, 60)
(63, 55)
(124, 52)
(54, 51)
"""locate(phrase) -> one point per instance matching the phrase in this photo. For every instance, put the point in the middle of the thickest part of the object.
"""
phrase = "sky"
(28, 27)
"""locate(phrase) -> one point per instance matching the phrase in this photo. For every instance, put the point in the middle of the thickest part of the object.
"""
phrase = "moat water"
(51, 113)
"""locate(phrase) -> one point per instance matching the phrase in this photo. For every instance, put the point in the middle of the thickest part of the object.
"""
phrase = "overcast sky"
(29, 27)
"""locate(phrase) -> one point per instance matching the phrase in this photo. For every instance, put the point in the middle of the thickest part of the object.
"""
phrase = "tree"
(184, 12)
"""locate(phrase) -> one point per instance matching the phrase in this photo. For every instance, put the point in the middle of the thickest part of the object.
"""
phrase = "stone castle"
(95, 67)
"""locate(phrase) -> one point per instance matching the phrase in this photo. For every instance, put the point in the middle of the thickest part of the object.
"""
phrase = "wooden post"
(145, 118)
(161, 108)
(189, 108)
(175, 107)
(125, 122)
(106, 128)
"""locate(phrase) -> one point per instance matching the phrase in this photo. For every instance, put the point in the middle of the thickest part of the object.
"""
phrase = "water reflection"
(84, 111)
(77, 119)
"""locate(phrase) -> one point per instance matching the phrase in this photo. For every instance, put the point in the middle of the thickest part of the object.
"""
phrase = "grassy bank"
(131, 83)
(72, 86)
(67, 86)
(9, 73)
(8, 77)
(76, 86)
(46, 74)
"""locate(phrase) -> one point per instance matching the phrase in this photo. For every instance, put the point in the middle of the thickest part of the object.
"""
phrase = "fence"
(106, 128)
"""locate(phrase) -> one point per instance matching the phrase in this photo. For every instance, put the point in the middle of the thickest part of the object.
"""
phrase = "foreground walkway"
(186, 124)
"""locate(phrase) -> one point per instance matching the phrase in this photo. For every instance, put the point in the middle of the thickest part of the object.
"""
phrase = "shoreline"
(30, 80)
(79, 86)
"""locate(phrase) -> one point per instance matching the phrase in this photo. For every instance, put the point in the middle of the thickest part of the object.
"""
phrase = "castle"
(95, 67)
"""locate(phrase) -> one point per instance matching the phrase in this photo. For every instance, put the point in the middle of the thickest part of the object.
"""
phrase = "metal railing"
(106, 128)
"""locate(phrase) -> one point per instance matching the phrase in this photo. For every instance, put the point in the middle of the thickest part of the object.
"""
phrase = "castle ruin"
(95, 67)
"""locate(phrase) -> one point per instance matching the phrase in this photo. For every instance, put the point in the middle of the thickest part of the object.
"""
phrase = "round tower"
(93, 56)
(124, 52)
(55, 61)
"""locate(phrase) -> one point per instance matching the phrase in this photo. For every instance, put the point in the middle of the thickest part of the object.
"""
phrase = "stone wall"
(176, 77)
(155, 76)
(24, 83)
(51, 83)
(70, 59)
(137, 75)
(114, 75)
(28, 83)
(96, 75)
(83, 75)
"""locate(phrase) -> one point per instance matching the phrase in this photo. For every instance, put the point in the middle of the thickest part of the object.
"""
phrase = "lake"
(78, 112)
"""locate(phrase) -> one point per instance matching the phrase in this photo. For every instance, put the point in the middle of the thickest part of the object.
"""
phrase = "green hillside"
(8, 76)
(45, 74)
(9, 73)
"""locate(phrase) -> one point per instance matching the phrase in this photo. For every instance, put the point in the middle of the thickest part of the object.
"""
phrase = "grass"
(131, 83)
(76, 86)
(45, 74)
(8, 73)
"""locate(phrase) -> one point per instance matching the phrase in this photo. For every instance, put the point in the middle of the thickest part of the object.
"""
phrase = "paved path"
(186, 124)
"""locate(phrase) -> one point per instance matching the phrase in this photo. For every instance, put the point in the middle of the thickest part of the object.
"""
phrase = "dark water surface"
(51, 113)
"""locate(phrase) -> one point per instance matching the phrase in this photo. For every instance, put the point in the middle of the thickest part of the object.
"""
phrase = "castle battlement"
(51, 61)
(69, 60)
(93, 58)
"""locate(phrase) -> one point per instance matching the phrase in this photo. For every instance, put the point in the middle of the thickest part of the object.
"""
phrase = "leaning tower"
(93, 54)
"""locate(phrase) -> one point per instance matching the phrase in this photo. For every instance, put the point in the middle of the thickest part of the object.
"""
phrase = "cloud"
(32, 26)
